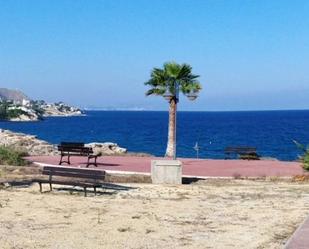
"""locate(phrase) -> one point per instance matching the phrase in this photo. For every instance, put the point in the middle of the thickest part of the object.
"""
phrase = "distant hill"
(12, 95)
(16, 106)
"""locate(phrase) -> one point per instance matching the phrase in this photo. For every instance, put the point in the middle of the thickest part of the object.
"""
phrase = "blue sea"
(271, 132)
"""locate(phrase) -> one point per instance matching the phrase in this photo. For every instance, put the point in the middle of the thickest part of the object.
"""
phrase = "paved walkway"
(191, 167)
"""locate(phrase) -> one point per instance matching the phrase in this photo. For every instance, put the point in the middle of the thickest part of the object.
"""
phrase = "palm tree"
(172, 78)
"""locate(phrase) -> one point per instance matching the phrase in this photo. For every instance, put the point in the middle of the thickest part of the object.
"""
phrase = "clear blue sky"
(250, 54)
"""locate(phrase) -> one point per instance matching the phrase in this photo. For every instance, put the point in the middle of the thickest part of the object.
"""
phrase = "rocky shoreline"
(60, 110)
(17, 107)
(26, 143)
(37, 112)
(33, 146)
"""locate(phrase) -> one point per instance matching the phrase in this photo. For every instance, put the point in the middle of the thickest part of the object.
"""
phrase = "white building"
(25, 102)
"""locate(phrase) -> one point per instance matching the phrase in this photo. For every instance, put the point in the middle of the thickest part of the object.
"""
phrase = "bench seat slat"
(76, 175)
(72, 144)
(75, 149)
(67, 174)
(74, 172)
(71, 183)
(71, 169)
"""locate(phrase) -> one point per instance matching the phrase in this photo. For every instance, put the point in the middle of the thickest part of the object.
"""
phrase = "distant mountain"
(12, 95)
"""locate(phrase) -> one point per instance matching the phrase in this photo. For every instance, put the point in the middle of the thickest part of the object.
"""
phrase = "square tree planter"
(166, 172)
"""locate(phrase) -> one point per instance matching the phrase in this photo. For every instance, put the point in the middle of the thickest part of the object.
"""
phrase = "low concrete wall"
(166, 172)
(300, 239)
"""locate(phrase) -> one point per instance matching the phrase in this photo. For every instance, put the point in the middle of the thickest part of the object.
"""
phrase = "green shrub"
(36, 106)
(305, 157)
(10, 156)
(15, 113)
(7, 113)
(306, 160)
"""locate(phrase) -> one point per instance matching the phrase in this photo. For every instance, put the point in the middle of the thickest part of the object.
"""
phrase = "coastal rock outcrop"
(25, 114)
(59, 109)
(16, 106)
(27, 143)
(36, 147)
(24, 118)
(107, 148)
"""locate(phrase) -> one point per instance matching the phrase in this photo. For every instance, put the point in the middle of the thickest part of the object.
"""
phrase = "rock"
(35, 147)
(27, 143)
(24, 118)
(107, 148)
(60, 109)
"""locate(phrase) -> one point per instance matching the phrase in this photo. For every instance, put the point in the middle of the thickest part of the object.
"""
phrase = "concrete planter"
(166, 172)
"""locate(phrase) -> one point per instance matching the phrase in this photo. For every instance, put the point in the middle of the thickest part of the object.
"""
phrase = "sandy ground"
(208, 214)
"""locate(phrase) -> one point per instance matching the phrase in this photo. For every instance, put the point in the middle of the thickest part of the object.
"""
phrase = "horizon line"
(152, 110)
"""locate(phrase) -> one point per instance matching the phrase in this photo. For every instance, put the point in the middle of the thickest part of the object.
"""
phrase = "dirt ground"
(207, 214)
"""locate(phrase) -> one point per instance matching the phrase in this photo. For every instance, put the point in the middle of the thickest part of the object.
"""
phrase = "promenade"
(191, 167)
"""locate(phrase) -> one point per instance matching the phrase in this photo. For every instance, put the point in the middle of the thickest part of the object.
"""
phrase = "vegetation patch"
(10, 156)
(9, 110)
(306, 160)
(305, 157)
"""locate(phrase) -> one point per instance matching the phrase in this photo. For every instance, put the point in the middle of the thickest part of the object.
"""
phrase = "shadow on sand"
(111, 187)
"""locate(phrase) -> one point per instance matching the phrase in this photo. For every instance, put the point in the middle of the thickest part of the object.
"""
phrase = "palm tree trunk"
(171, 141)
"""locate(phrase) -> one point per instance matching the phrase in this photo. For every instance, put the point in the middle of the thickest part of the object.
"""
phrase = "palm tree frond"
(155, 91)
(186, 88)
(165, 78)
(172, 69)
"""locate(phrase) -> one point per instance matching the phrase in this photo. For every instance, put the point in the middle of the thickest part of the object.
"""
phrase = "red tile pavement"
(191, 167)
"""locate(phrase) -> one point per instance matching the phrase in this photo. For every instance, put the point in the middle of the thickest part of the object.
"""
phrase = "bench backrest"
(74, 172)
(74, 148)
(240, 149)
(71, 144)
(80, 150)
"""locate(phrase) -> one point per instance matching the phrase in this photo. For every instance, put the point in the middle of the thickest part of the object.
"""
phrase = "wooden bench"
(243, 152)
(85, 178)
(76, 149)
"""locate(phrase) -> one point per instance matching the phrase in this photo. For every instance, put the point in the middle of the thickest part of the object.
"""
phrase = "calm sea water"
(271, 132)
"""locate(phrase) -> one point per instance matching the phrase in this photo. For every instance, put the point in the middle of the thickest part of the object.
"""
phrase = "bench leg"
(92, 163)
(88, 162)
(50, 186)
(95, 162)
(63, 160)
(40, 187)
(85, 191)
(95, 190)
